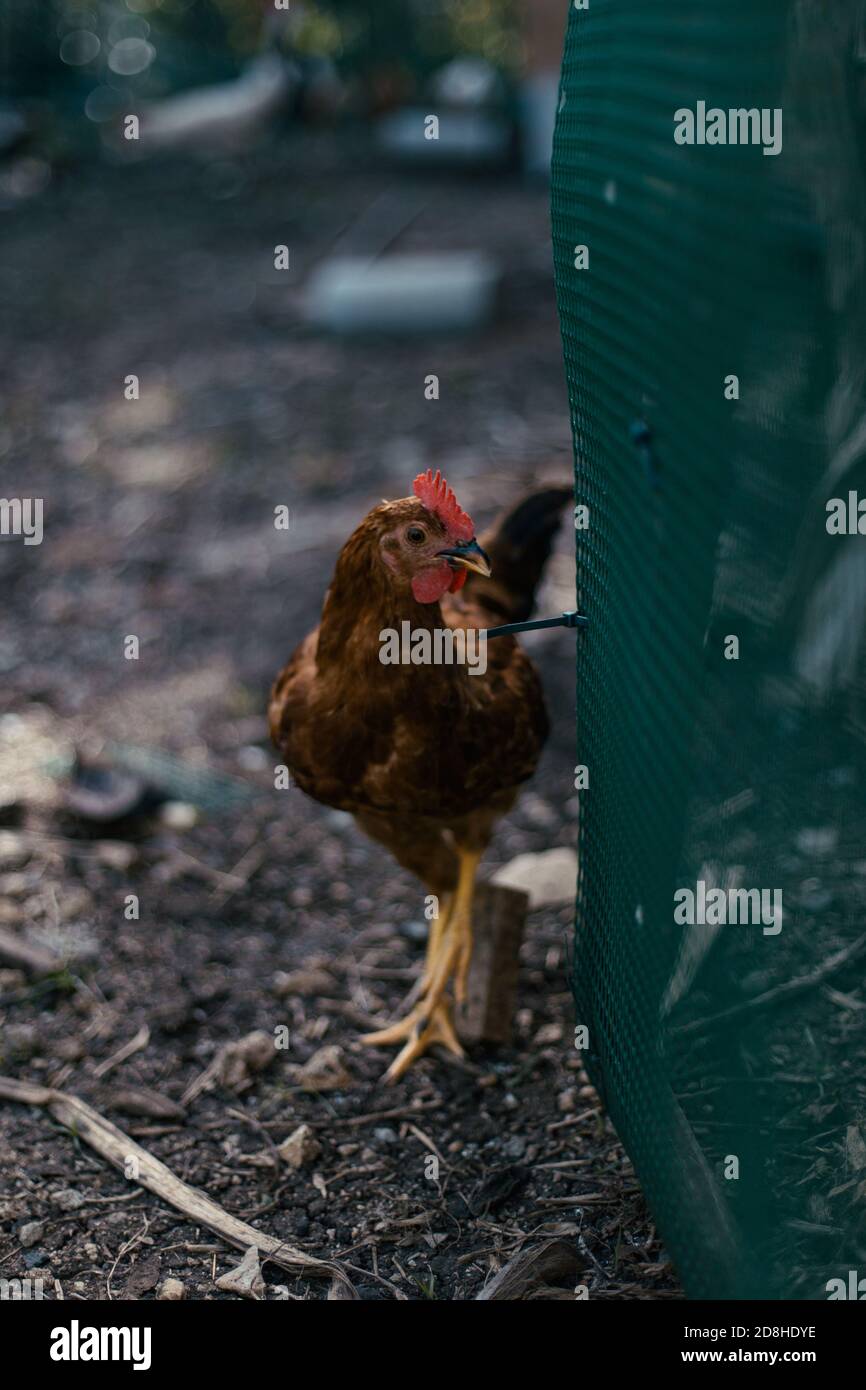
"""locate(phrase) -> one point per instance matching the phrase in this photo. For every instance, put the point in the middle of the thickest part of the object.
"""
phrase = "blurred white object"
(539, 96)
(464, 137)
(550, 878)
(468, 81)
(229, 116)
(403, 293)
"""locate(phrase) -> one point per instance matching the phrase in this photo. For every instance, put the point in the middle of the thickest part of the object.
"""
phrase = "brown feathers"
(415, 750)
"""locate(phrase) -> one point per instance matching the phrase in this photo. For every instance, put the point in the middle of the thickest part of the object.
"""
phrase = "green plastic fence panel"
(714, 330)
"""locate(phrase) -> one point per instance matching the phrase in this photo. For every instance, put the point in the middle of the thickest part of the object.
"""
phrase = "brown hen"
(426, 757)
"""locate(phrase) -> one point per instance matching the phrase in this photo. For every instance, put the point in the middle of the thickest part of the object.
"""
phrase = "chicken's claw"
(398, 1031)
(439, 1029)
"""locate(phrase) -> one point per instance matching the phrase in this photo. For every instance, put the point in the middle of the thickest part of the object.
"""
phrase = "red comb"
(438, 498)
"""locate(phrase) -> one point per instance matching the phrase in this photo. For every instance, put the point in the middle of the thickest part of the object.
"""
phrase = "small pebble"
(306, 983)
(301, 1148)
(67, 1199)
(523, 1020)
(385, 1136)
(537, 811)
(31, 1233)
(171, 1291)
(116, 854)
(415, 931)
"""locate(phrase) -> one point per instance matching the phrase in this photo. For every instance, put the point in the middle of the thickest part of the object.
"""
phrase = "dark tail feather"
(519, 545)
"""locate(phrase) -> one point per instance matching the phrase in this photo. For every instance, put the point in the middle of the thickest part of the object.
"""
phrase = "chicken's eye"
(416, 535)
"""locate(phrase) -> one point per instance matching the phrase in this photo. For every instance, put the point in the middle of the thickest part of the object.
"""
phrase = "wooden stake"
(498, 916)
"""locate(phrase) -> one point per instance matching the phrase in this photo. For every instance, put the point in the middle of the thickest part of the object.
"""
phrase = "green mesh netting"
(708, 520)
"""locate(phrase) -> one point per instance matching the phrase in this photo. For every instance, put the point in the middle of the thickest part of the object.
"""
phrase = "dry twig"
(111, 1142)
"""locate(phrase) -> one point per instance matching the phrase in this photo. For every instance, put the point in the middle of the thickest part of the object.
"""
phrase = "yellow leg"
(469, 860)
(448, 954)
(438, 928)
(435, 935)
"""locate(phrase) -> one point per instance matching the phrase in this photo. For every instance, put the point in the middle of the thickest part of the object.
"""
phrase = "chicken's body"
(426, 757)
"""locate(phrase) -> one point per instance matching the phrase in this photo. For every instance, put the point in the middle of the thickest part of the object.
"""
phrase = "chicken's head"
(429, 541)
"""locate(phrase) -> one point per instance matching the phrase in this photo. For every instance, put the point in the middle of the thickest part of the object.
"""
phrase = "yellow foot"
(397, 1032)
(427, 1024)
(449, 954)
(405, 1027)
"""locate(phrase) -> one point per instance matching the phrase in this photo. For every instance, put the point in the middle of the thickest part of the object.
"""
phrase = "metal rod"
(564, 620)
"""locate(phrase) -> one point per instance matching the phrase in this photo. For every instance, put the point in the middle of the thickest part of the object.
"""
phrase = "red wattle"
(430, 585)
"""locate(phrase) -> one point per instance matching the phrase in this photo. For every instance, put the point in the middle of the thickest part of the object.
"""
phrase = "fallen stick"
(795, 986)
(111, 1142)
(247, 865)
(141, 1040)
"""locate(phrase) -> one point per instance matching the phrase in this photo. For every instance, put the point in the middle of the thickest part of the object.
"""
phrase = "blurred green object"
(69, 69)
(419, 35)
(732, 1058)
(77, 65)
(200, 41)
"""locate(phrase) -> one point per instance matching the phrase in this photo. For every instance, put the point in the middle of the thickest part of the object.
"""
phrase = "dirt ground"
(263, 910)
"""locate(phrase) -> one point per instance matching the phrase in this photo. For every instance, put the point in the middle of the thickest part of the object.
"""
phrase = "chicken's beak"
(468, 556)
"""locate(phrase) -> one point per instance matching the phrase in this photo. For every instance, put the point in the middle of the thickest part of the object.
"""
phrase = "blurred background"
(284, 259)
(257, 257)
